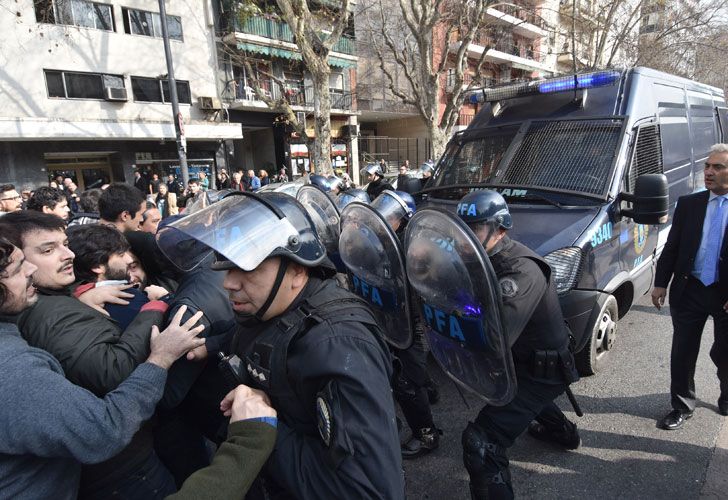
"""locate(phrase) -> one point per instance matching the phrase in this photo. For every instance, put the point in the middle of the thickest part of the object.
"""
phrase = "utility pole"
(177, 116)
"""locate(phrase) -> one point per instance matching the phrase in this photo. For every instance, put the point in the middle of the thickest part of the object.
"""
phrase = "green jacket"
(235, 465)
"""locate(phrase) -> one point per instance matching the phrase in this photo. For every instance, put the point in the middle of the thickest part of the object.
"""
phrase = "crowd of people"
(118, 343)
(113, 317)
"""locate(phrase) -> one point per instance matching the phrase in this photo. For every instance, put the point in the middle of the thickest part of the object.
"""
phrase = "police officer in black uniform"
(413, 387)
(377, 184)
(539, 340)
(314, 348)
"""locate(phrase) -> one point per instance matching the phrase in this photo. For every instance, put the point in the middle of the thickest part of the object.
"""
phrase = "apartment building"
(257, 50)
(83, 90)
(516, 43)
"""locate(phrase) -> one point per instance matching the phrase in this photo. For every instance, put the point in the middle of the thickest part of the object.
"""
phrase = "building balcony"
(240, 95)
(275, 38)
(522, 21)
(519, 56)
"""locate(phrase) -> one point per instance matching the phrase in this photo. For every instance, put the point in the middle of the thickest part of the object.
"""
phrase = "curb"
(716, 477)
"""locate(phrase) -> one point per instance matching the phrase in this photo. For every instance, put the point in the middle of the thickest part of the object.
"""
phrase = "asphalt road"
(623, 453)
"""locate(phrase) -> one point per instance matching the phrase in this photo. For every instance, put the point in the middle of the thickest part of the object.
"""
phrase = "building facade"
(83, 91)
(257, 51)
(515, 43)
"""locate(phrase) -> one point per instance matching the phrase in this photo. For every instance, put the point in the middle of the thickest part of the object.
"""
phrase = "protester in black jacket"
(93, 351)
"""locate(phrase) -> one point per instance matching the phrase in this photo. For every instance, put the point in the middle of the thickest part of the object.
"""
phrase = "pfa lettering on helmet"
(467, 209)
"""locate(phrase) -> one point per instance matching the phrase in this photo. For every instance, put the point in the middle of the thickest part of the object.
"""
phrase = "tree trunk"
(439, 140)
(322, 119)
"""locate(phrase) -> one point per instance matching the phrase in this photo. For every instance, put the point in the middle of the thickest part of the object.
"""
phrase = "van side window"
(702, 128)
(723, 121)
(675, 135)
(647, 154)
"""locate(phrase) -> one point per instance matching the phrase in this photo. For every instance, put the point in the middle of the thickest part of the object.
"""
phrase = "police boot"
(422, 442)
(487, 464)
(565, 434)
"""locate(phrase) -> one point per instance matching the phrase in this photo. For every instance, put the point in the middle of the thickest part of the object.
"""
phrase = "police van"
(575, 158)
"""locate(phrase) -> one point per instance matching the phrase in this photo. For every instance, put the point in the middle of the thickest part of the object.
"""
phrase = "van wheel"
(595, 354)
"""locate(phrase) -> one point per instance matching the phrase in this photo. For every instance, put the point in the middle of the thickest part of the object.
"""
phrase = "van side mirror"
(650, 200)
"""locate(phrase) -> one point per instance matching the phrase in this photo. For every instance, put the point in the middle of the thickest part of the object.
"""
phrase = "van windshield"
(560, 156)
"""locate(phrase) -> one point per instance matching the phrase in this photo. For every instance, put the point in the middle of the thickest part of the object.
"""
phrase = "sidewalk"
(716, 478)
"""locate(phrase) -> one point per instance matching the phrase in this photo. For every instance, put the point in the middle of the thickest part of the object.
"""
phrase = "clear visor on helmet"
(484, 230)
(391, 207)
(241, 228)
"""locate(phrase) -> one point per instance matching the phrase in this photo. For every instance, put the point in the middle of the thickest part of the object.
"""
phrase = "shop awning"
(292, 55)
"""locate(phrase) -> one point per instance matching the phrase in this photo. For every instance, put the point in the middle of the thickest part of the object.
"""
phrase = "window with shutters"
(647, 154)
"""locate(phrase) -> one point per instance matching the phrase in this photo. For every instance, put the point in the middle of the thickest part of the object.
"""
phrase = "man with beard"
(103, 258)
(93, 351)
(122, 207)
(314, 348)
(48, 426)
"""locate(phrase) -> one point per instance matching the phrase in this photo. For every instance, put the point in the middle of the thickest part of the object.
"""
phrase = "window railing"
(278, 30)
(510, 46)
(294, 93)
(523, 13)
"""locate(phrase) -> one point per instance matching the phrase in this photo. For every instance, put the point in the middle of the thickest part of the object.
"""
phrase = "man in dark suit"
(141, 182)
(696, 258)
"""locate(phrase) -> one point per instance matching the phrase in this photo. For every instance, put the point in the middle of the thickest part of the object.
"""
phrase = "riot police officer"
(314, 348)
(412, 384)
(539, 341)
(376, 184)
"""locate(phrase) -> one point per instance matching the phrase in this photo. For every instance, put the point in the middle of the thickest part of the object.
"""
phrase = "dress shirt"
(712, 207)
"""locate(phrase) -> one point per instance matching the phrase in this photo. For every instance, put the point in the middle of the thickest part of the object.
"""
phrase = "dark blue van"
(567, 154)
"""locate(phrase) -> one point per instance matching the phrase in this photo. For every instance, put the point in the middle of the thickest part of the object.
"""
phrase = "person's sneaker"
(422, 442)
(566, 437)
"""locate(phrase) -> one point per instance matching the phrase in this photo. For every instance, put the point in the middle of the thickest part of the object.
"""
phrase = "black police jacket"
(327, 372)
(376, 187)
(533, 321)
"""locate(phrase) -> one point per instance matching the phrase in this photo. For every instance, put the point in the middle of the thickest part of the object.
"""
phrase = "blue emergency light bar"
(550, 86)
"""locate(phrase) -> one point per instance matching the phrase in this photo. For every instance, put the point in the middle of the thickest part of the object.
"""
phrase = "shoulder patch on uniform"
(509, 288)
(323, 419)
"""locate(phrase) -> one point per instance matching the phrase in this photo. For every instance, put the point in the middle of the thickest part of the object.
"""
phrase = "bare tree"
(427, 41)
(317, 27)
(606, 33)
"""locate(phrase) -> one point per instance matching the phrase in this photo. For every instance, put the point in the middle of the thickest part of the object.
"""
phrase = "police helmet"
(244, 229)
(321, 182)
(394, 205)
(351, 195)
(374, 169)
(485, 206)
(335, 183)
(427, 166)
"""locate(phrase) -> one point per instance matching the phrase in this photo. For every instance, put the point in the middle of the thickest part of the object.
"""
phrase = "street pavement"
(623, 453)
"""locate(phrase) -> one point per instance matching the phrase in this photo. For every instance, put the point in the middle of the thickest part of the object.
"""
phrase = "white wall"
(28, 47)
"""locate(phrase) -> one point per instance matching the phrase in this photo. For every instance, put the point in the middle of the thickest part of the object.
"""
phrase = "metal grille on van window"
(567, 155)
(647, 155)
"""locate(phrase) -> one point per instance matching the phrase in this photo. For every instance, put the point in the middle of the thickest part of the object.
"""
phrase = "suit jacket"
(678, 256)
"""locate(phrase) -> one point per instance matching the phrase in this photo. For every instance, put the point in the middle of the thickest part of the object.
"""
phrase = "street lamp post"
(177, 116)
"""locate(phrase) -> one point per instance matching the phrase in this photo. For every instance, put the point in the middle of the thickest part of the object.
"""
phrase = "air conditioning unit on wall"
(210, 103)
(115, 94)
